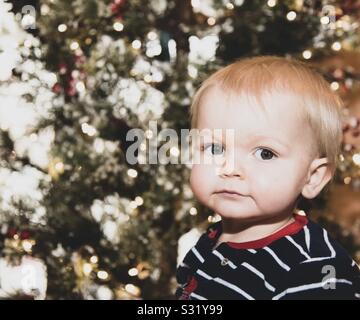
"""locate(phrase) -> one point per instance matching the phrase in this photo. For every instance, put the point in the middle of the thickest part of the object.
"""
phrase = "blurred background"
(79, 222)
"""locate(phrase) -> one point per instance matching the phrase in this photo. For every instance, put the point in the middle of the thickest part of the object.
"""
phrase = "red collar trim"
(294, 227)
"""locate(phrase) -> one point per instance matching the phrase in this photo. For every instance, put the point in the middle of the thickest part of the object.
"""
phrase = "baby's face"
(266, 163)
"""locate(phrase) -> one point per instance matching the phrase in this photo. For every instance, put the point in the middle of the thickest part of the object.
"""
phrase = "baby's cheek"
(268, 184)
(201, 182)
(273, 189)
(264, 181)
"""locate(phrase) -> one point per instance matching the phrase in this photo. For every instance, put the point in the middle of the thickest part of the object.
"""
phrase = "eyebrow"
(258, 138)
(253, 139)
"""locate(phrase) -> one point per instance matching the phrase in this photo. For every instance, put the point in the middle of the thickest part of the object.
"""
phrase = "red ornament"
(57, 88)
(62, 68)
(113, 8)
(117, 6)
(71, 89)
(11, 232)
(79, 59)
(24, 235)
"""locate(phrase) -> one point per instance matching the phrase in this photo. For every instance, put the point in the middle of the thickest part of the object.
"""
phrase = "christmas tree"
(82, 74)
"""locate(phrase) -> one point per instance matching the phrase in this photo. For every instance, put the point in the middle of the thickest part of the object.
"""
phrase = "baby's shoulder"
(323, 247)
(325, 270)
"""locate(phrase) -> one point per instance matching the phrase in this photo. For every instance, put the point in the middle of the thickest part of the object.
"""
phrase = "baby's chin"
(234, 211)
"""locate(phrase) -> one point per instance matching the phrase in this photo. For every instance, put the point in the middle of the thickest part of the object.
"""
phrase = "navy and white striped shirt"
(298, 262)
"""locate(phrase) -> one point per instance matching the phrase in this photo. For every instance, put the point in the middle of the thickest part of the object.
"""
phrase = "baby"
(287, 133)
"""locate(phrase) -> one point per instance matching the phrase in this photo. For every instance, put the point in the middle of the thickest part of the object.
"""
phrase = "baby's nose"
(231, 168)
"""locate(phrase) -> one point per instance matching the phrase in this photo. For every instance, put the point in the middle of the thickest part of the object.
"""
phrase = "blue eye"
(265, 154)
(214, 148)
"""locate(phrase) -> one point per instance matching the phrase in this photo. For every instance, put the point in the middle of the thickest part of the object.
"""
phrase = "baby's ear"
(319, 175)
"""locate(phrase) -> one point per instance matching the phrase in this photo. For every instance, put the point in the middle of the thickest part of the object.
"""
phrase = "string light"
(172, 48)
(44, 9)
(99, 145)
(152, 35)
(27, 43)
(291, 15)
(356, 159)
(325, 20)
(136, 44)
(153, 48)
(139, 201)
(192, 71)
(132, 173)
(75, 73)
(80, 86)
(157, 76)
(59, 167)
(174, 151)
(193, 211)
(94, 259)
(347, 180)
(130, 288)
(87, 268)
(133, 205)
(74, 45)
(56, 167)
(301, 212)
(103, 275)
(133, 272)
(88, 129)
(307, 54)
(271, 3)
(148, 78)
(27, 245)
(336, 46)
(104, 293)
(229, 6)
(211, 21)
(334, 85)
(118, 26)
(62, 27)
(195, 3)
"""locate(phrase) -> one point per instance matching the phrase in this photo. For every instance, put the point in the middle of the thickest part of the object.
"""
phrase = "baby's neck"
(242, 231)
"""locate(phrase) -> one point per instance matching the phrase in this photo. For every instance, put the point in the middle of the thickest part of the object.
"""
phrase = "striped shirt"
(299, 261)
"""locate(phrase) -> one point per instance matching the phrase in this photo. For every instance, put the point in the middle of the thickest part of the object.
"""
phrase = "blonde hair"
(255, 76)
